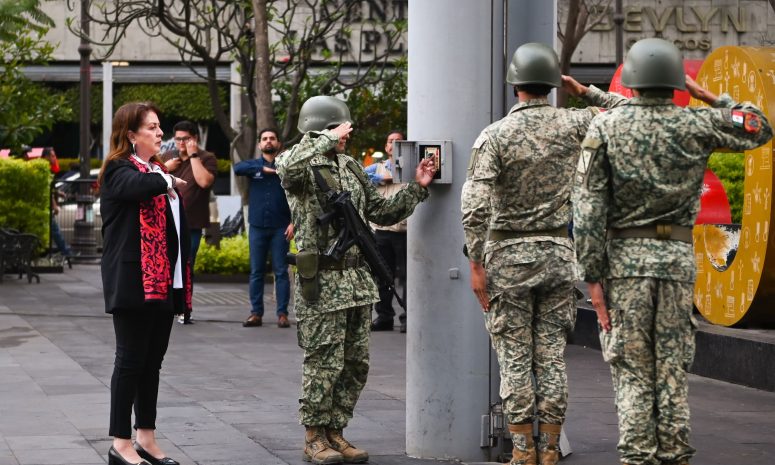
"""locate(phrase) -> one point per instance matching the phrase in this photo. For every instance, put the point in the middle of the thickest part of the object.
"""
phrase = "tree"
(276, 43)
(581, 17)
(27, 108)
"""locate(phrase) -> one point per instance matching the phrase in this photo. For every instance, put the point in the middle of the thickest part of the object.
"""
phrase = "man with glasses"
(197, 167)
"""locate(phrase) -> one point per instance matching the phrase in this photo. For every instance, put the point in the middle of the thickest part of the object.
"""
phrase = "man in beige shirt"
(391, 240)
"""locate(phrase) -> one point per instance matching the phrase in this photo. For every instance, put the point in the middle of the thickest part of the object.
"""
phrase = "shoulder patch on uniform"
(479, 142)
(589, 148)
(743, 119)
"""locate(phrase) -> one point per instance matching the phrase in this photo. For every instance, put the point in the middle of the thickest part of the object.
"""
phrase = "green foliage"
(378, 110)
(27, 108)
(730, 169)
(64, 163)
(375, 110)
(24, 196)
(232, 257)
(224, 166)
(175, 101)
(72, 96)
(22, 15)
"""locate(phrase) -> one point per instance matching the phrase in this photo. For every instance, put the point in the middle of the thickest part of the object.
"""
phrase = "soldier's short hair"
(535, 89)
(658, 92)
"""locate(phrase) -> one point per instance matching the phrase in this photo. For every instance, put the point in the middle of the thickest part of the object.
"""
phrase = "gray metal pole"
(447, 348)
(455, 79)
(107, 106)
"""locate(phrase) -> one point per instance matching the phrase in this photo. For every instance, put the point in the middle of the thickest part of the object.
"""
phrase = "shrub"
(232, 257)
(730, 169)
(24, 196)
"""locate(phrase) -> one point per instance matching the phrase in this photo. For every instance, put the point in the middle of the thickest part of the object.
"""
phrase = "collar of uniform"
(538, 102)
(650, 101)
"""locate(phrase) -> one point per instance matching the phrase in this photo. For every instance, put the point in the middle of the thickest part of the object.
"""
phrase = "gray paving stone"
(229, 395)
(80, 456)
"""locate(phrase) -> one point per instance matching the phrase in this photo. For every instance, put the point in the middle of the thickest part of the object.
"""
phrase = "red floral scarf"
(154, 262)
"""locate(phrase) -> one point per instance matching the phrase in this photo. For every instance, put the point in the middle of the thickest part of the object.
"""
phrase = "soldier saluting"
(333, 298)
(516, 209)
(635, 202)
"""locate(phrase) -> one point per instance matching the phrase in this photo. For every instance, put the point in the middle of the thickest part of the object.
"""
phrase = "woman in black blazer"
(145, 275)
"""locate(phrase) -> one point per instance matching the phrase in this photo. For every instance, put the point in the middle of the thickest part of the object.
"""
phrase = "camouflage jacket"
(642, 164)
(521, 171)
(352, 287)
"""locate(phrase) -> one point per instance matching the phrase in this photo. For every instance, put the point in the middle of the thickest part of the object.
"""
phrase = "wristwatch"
(194, 155)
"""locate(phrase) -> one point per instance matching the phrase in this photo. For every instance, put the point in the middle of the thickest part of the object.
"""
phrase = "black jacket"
(123, 188)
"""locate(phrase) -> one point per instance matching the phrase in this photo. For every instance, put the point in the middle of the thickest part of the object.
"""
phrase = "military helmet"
(653, 63)
(321, 112)
(534, 63)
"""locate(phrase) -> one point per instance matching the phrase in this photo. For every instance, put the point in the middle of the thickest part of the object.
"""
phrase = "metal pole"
(447, 374)
(446, 382)
(84, 49)
(235, 112)
(107, 106)
(619, 22)
(84, 240)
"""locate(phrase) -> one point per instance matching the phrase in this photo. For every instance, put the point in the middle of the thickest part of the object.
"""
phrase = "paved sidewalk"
(229, 394)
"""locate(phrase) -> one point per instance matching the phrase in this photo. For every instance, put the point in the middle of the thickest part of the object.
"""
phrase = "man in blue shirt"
(271, 228)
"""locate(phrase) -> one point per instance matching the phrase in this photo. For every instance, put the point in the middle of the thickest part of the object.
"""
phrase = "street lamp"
(84, 240)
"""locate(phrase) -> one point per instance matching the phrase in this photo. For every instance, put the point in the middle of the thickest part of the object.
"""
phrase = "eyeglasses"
(183, 139)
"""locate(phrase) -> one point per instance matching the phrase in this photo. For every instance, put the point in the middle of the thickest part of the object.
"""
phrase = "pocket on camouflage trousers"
(505, 314)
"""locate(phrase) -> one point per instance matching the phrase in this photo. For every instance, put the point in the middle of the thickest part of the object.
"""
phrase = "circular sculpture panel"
(736, 263)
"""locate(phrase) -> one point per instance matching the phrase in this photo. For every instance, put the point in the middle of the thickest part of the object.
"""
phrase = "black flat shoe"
(153, 460)
(114, 458)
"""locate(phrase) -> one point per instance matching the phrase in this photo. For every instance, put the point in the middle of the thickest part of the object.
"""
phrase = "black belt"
(664, 232)
(502, 235)
(345, 263)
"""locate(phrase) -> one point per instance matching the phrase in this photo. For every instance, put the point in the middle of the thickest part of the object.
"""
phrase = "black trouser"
(142, 336)
(392, 246)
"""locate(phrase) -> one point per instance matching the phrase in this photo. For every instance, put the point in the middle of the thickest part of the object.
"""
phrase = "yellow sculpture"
(736, 263)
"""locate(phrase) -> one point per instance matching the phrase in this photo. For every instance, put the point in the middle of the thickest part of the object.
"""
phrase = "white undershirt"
(177, 280)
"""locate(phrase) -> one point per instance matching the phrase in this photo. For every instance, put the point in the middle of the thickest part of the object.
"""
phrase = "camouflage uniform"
(519, 179)
(334, 330)
(643, 164)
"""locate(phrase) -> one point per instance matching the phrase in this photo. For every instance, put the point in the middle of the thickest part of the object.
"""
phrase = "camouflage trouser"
(531, 310)
(650, 347)
(335, 367)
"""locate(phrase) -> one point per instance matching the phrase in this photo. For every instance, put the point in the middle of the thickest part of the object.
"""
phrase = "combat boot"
(317, 449)
(350, 453)
(549, 444)
(524, 452)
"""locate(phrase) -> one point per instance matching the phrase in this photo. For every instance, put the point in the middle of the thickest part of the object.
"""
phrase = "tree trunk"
(264, 112)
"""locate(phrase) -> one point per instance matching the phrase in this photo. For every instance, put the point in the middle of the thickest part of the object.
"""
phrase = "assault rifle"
(352, 230)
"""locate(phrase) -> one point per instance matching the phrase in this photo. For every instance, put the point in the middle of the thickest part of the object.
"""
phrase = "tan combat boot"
(524, 452)
(350, 453)
(317, 449)
(549, 444)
